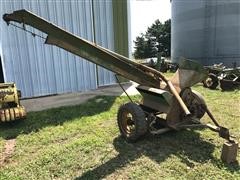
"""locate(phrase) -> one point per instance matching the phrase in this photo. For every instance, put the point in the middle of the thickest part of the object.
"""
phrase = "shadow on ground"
(186, 145)
(56, 116)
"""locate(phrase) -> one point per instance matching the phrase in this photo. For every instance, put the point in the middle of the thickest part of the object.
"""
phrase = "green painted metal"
(120, 25)
(157, 99)
(157, 95)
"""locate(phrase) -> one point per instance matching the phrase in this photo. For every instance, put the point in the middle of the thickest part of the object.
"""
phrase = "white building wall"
(40, 69)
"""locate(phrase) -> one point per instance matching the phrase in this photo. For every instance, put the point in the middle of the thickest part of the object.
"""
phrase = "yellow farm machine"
(10, 108)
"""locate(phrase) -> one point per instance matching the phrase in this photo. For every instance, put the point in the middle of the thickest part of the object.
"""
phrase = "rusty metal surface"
(196, 105)
(10, 108)
(229, 152)
(189, 73)
(228, 78)
(8, 93)
(11, 114)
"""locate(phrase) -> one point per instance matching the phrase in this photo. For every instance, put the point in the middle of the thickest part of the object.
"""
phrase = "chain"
(23, 28)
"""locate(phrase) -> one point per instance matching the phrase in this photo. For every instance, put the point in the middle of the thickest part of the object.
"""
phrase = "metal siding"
(210, 28)
(129, 29)
(104, 36)
(40, 69)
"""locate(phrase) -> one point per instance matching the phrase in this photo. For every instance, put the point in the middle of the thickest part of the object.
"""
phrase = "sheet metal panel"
(104, 36)
(208, 31)
(40, 69)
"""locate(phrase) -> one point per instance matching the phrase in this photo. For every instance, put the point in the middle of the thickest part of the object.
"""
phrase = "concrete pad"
(68, 99)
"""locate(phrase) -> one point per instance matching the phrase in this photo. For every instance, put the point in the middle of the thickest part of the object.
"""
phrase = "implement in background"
(10, 108)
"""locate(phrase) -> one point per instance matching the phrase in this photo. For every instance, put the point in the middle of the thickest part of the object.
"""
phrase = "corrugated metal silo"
(208, 31)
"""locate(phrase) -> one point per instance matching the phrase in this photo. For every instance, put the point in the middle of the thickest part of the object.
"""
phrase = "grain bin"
(208, 31)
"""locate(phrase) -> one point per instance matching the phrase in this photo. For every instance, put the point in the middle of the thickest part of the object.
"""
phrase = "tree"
(156, 40)
(140, 43)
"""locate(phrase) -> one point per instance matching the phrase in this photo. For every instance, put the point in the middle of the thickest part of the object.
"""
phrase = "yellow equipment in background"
(10, 108)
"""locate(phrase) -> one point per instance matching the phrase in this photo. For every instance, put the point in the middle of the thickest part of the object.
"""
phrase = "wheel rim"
(194, 102)
(209, 81)
(128, 123)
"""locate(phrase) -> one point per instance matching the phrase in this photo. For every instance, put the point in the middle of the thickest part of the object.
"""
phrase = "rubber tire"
(226, 85)
(214, 79)
(202, 104)
(140, 122)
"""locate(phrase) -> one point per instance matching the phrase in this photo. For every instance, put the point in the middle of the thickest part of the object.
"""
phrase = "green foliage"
(141, 45)
(157, 40)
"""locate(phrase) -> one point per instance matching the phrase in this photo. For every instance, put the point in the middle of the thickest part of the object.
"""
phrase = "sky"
(145, 12)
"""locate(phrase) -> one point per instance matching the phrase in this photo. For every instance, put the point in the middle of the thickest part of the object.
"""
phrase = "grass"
(83, 142)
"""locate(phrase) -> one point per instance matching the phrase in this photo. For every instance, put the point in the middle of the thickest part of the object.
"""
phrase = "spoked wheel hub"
(128, 123)
(211, 81)
(194, 102)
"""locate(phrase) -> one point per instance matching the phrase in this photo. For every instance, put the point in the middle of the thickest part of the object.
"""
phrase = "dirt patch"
(7, 151)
